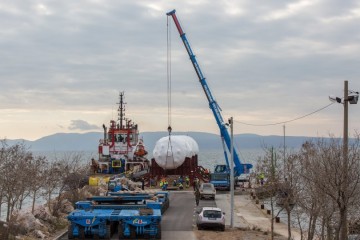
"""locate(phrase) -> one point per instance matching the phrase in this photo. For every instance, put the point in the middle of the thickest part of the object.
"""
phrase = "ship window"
(123, 138)
(120, 138)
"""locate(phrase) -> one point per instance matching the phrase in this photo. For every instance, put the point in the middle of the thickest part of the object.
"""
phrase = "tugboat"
(121, 150)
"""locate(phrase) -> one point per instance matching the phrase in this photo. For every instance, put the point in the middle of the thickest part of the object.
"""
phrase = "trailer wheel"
(133, 233)
(81, 233)
(70, 232)
(158, 234)
(108, 231)
(120, 231)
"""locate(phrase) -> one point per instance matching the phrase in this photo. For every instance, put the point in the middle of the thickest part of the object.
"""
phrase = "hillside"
(89, 141)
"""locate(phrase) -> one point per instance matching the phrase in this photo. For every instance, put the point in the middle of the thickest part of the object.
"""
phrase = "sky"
(64, 63)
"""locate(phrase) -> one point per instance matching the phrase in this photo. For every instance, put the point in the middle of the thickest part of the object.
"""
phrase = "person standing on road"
(196, 183)
(197, 196)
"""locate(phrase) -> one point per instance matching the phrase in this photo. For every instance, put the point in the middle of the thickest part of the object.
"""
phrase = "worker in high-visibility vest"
(187, 181)
(165, 184)
(262, 178)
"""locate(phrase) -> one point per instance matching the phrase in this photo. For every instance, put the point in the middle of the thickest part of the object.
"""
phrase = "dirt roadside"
(234, 234)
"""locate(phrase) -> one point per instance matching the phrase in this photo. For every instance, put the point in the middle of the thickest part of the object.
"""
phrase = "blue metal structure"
(239, 168)
(132, 215)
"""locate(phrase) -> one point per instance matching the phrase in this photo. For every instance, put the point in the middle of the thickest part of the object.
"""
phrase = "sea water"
(209, 158)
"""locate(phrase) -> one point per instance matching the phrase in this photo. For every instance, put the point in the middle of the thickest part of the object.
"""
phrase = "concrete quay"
(249, 215)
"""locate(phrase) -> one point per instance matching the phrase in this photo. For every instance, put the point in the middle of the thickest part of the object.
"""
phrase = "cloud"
(291, 9)
(82, 125)
(70, 59)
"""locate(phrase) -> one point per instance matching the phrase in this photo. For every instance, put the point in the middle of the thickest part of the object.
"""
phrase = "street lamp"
(231, 123)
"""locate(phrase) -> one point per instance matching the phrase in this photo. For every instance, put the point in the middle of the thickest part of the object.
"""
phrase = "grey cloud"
(82, 125)
(83, 53)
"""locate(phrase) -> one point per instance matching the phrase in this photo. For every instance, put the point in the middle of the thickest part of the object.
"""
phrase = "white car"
(245, 177)
(207, 190)
(211, 217)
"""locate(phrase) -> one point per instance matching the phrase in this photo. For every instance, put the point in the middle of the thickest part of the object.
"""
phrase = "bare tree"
(268, 166)
(37, 181)
(65, 171)
(52, 177)
(13, 159)
(325, 197)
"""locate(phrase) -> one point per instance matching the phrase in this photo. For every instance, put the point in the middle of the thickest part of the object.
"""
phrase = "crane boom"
(239, 167)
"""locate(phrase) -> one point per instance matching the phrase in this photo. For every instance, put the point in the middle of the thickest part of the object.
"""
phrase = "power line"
(292, 120)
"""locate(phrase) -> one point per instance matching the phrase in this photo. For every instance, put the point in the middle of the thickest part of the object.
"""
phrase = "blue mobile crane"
(221, 175)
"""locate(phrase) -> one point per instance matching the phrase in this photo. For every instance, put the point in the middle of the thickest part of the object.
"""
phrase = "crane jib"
(239, 167)
(173, 15)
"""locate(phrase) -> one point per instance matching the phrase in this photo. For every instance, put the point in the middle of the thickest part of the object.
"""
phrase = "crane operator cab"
(221, 169)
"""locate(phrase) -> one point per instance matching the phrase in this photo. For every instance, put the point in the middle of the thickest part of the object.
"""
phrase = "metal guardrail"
(61, 235)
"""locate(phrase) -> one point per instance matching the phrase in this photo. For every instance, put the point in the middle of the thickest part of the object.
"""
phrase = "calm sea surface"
(207, 158)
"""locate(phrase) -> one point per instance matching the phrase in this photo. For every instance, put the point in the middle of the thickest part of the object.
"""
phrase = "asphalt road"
(179, 220)
(179, 216)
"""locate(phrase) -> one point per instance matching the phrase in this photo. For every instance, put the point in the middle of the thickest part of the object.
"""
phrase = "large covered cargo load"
(171, 152)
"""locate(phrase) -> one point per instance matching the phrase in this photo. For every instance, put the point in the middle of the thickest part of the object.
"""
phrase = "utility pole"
(352, 99)
(284, 160)
(232, 174)
(344, 227)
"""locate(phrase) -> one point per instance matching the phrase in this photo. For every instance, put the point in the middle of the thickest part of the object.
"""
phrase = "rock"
(66, 207)
(39, 234)
(42, 213)
(27, 221)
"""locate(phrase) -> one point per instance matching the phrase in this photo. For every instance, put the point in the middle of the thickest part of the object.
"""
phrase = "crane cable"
(168, 69)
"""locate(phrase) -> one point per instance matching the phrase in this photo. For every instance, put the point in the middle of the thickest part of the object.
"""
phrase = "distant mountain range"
(206, 141)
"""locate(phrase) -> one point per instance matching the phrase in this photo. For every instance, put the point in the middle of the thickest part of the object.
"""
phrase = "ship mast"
(121, 110)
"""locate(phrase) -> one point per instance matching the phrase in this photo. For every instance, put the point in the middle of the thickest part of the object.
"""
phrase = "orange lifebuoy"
(140, 152)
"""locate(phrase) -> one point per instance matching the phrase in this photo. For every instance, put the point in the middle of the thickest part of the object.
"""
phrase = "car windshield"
(219, 176)
(206, 186)
(212, 214)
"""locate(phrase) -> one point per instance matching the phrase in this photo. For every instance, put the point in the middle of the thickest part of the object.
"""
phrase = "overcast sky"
(63, 64)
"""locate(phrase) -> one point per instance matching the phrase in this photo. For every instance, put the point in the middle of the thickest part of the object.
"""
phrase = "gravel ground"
(234, 234)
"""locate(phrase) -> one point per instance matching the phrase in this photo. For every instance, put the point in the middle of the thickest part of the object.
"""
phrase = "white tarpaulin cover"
(171, 153)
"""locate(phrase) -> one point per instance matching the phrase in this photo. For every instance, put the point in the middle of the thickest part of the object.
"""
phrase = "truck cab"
(220, 178)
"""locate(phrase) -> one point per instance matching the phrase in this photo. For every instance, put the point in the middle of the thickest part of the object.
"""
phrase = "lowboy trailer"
(131, 215)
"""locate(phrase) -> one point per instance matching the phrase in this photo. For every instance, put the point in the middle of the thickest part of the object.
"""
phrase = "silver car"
(211, 217)
(207, 190)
